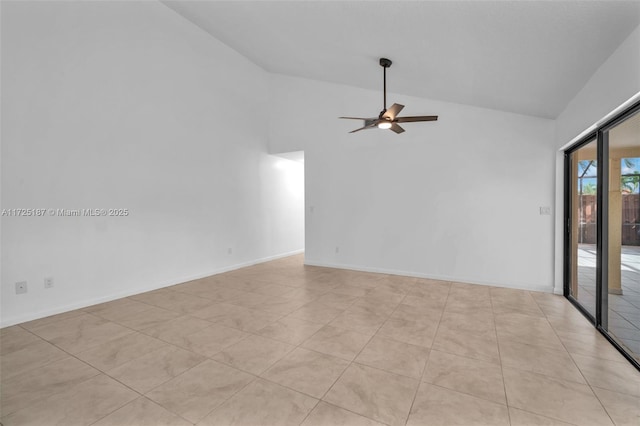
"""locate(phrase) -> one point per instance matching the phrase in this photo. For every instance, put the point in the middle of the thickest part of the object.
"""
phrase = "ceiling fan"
(388, 118)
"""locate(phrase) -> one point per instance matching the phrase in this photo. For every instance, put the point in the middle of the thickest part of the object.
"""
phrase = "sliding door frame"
(568, 179)
(601, 135)
(602, 228)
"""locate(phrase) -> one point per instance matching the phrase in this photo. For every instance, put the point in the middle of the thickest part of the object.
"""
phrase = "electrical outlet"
(21, 287)
(545, 210)
(337, 249)
(229, 250)
(48, 282)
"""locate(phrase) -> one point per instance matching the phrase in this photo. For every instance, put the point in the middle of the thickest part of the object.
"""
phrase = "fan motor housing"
(384, 62)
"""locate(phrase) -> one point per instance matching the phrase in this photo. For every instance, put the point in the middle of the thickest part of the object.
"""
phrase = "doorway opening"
(289, 220)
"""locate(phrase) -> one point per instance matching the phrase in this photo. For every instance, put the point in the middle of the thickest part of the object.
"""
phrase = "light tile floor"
(284, 344)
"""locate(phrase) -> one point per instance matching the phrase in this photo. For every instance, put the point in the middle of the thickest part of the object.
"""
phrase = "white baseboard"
(6, 322)
(518, 286)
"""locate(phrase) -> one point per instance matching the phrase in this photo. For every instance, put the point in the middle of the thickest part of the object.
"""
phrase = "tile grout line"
(84, 381)
(255, 378)
(415, 394)
(346, 368)
(100, 371)
(471, 359)
(504, 385)
(555, 332)
(160, 384)
(299, 346)
(260, 377)
(354, 358)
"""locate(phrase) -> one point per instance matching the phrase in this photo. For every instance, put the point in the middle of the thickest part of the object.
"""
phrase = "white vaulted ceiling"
(524, 57)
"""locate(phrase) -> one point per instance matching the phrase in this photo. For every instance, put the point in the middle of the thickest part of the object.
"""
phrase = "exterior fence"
(630, 219)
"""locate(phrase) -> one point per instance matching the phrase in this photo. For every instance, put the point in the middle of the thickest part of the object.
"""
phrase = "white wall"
(128, 105)
(613, 86)
(615, 82)
(457, 199)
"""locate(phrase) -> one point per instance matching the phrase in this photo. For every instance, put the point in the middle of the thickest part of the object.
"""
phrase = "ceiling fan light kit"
(388, 118)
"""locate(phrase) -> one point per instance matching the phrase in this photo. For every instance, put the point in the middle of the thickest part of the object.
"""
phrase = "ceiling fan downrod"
(384, 63)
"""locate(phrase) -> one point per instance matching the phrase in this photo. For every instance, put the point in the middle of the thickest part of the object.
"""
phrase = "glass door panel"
(583, 219)
(623, 277)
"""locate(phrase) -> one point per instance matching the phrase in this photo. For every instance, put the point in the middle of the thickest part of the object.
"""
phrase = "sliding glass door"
(622, 319)
(602, 214)
(584, 213)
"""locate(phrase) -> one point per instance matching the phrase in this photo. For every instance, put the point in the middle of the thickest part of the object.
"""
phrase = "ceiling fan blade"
(368, 126)
(396, 128)
(416, 118)
(358, 118)
(393, 111)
